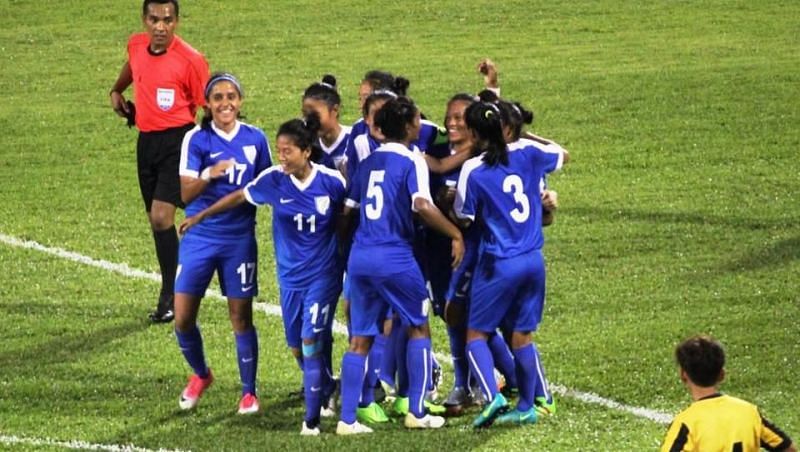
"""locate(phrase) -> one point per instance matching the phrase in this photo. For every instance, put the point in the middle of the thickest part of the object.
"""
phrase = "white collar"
(224, 135)
(304, 184)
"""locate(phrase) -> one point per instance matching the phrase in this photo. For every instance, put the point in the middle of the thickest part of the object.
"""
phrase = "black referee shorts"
(158, 156)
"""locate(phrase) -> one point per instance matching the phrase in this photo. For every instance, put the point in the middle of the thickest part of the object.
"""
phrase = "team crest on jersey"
(165, 98)
(250, 153)
(323, 203)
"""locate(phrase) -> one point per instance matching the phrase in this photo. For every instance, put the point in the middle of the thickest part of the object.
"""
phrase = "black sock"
(167, 252)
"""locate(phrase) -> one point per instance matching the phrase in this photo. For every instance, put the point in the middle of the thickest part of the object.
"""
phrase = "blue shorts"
(308, 313)
(235, 262)
(372, 297)
(461, 278)
(508, 292)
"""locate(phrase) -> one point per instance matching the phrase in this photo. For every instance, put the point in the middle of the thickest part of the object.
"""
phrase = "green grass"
(678, 215)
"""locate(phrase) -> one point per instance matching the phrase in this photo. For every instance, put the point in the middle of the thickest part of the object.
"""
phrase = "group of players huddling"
(357, 201)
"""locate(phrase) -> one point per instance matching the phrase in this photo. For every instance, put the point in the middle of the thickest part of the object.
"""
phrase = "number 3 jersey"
(203, 148)
(505, 199)
(303, 222)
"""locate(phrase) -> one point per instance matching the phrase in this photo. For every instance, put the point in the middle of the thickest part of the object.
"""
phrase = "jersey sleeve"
(192, 155)
(465, 204)
(264, 188)
(196, 80)
(419, 185)
(264, 160)
(353, 197)
(772, 438)
(550, 157)
(677, 437)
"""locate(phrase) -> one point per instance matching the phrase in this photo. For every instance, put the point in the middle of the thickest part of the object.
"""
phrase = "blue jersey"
(334, 155)
(361, 144)
(384, 188)
(506, 198)
(204, 147)
(303, 222)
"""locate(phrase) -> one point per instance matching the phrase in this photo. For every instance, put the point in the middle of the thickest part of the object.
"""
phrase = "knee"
(360, 345)
(161, 218)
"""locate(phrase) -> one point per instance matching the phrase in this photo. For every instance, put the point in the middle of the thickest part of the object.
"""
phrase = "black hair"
(304, 132)
(205, 121)
(702, 358)
(379, 80)
(324, 91)
(394, 117)
(161, 2)
(515, 116)
(485, 121)
(381, 94)
(488, 95)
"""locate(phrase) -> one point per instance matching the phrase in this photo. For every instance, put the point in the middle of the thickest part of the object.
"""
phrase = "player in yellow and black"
(714, 421)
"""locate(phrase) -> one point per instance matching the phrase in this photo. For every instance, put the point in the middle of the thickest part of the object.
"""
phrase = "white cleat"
(305, 431)
(326, 412)
(427, 421)
(355, 428)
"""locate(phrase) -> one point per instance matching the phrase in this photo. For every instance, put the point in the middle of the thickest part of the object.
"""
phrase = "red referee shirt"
(168, 87)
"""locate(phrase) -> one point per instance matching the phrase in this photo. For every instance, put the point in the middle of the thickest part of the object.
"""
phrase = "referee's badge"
(323, 203)
(165, 98)
(250, 153)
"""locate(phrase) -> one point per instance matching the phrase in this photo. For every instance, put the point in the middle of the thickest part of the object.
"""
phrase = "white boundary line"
(270, 309)
(80, 445)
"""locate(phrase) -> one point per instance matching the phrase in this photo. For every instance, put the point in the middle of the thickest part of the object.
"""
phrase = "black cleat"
(164, 312)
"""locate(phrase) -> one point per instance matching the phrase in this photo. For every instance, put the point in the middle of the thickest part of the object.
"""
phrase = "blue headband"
(220, 78)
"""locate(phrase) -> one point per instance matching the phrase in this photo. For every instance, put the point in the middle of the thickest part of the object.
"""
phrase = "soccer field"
(678, 214)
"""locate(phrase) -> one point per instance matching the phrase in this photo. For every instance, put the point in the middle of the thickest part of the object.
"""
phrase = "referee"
(168, 78)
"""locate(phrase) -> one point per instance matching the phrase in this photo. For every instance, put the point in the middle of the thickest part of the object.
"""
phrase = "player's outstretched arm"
(230, 201)
(434, 218)
(446, 164)
(124, 80)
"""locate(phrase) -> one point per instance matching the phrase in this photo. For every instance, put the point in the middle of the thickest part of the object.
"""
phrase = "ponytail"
(484, 119)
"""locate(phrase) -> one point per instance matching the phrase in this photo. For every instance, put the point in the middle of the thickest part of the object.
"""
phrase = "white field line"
(80, 445)
(123, 269)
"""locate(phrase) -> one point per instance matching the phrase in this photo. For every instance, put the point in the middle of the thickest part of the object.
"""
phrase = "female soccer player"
(388, 187)
(306, 199)
(500, 189)
(219, 157)
(323, 99)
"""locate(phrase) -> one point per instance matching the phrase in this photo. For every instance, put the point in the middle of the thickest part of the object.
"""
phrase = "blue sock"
(526, 376)
(353, 367)
(247, 354)
(191, 345)
(400, 347)
(373, 368)
(503, 359)
(541, 389)
(367, 394)
(312, 384)
(327, 361)
(482, 366)
(458, 345)
(418, 362)
(388, 360)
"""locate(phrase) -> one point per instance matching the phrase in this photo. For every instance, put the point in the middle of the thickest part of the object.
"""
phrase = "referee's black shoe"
(164, 313)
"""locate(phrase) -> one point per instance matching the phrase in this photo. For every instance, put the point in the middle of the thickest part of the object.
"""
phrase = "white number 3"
(513, 184)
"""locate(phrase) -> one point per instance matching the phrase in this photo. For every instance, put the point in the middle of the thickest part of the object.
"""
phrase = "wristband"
(206, 174)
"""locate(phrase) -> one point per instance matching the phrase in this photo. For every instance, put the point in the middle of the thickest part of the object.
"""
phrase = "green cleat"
(517, 417)
(371, 414)
(543, 408)
(400, 407)
(496, 407)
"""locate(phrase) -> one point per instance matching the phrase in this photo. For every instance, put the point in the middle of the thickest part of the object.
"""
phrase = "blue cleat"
(517, 417)
(498, 406)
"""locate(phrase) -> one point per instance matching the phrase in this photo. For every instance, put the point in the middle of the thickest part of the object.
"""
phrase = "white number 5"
(374, 191)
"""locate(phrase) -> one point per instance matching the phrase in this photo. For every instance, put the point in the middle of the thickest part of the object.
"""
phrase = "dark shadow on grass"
(69, 347)
(774, 255)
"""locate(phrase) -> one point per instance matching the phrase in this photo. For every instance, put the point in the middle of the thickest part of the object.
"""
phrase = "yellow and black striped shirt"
(725, 424)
